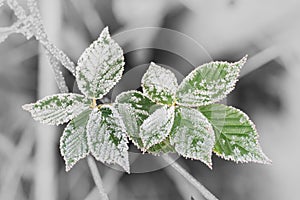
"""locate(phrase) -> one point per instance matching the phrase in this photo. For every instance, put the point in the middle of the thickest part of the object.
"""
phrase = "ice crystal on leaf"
(100, 66)
(159, 84)
(93, 128)
(208, 83)
(192, 135)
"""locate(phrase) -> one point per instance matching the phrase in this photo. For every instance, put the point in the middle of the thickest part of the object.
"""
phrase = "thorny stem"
(97, 177)
(207, 194)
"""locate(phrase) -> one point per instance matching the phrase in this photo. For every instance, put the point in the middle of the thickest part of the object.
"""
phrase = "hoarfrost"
(192, 135)
(57, 109)
(157, 126)
(107, 138)
(100, 66)
(159, 84)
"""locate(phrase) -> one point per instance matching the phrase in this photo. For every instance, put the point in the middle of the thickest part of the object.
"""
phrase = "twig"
(207, 194)
(97, 177)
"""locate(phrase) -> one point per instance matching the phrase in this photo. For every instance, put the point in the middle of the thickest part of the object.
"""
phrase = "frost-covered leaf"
(236, 136)
(134, 108)
(57, 109)
(100, 66)
(209, 83)
(159, 84)
(73, 142)
(107, 138)
(192, 135)
(162, 147)
(157, 126)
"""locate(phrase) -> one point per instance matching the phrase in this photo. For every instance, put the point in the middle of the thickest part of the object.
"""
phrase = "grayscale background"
(180, 35)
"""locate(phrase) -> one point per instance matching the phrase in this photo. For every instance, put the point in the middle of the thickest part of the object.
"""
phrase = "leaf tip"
(27, 107)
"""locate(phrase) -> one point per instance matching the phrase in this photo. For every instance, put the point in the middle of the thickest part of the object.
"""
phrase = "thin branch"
(205, 192)
(97, 177)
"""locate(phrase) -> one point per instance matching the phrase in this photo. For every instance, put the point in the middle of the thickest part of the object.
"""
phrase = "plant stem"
(207, 194)
(97, 177)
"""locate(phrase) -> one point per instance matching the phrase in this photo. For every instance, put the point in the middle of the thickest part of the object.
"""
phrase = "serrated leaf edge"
(241, 62)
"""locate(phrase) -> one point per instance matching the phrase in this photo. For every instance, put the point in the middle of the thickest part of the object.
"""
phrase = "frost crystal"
(157, 126)
(209, 83)
(73, 142)
(134, 108)
(100, 66)
(107, 138)
(57, 109)
(192, 135)
(159, 84)
(236, 136)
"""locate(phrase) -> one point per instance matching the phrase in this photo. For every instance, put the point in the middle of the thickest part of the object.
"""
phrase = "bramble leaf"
(157, 126)
(100, 66)
(162, 147)
(159, 84)
(134, 108)
(73, 142)
(192, 135)
(236, 136)
(208, 83)
(107, 138)
(57, 109)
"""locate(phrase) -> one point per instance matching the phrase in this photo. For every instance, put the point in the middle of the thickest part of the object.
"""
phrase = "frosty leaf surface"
(134, 107)
(159, 84)
(192, 135)
(100, 66)
(57, 109)
(107, 138)
(209, 83)
(157, 126)
(162, 147)
(73, 142)
(236, 136)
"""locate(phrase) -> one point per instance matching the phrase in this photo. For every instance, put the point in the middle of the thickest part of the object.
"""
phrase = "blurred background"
(181, 35)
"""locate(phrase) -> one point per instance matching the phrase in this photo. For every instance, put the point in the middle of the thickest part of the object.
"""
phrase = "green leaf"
(134, 108)
(73, 142)
(157, 126)
(162, 147)
(107, 138)
(100, 66)
(57, 109)
(159, 84)
(192, 135)
(209, 83)
(236, 136)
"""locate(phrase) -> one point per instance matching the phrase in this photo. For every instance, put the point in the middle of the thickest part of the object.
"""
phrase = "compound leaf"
(107, 138)
(159, 84)
(192, 135)
(73, 142)
(236, 136)
(157, 126)
(57, 109)
(209, 83)
(100, 66)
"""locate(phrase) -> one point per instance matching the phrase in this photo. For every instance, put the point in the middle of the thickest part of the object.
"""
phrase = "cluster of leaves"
(166, 117)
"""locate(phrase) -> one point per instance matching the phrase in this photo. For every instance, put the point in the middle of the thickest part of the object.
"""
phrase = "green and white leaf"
(73, 142)
(107, 138)
(192, 135)
(157, 126)
(159, 84)
(134, 107)
(209, 83)
(236, 136)
(100, 66)
(162, 147)
(57, 109)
